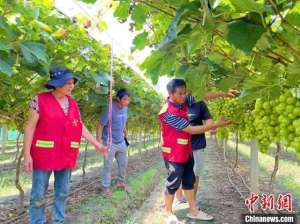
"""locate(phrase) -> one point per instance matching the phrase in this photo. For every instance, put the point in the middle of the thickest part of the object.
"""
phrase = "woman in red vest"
(52, 138)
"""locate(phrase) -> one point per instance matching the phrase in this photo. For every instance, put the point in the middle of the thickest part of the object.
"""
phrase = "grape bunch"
(215, 108)
(233, 110)
(288, 110)
(278, 120)
(248, 128)
(269, 121)
(266, 123)
(229, 109)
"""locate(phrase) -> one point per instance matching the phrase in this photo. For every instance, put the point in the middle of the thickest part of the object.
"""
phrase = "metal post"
(254, 167)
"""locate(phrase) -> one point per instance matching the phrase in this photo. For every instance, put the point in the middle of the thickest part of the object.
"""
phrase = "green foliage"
(34, 37)
(140, 41)
(5, 67)
(139, 16)
(89, 1)
(112, 210)
(33, 52)
(243, 35)
(247, 6)
(252, 46)
(122, 11)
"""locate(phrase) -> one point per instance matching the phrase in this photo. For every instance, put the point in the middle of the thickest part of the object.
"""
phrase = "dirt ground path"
(80, 190)
(216, 196)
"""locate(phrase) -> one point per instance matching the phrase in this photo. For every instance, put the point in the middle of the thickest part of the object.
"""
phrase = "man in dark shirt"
(177, 149)
(199, 114)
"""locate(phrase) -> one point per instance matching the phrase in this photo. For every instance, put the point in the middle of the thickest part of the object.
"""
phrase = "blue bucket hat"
(59, 77)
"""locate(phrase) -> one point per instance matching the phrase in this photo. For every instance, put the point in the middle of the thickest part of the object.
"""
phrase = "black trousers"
(180, 173)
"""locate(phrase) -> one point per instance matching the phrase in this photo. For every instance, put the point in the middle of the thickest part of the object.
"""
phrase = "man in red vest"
(177, 148)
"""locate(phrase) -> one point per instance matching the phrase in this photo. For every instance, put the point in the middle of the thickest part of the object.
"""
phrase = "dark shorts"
(180, 173)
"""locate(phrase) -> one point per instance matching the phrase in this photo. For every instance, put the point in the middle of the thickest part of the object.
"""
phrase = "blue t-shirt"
(119, 120)
(198, 112)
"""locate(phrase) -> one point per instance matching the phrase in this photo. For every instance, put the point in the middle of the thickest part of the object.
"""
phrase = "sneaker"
(178, 202)
(201, 216)
(172, 219)
(182, 200)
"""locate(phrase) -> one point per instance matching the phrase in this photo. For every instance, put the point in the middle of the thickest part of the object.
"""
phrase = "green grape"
(270, 121)
(229, 109)
(296, 111)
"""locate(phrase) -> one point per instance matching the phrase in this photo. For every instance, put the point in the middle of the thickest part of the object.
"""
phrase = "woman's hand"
(28, 165)
(98, 146)
(29, 130)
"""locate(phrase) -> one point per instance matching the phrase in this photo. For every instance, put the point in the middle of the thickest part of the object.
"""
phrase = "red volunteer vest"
(176, 145)
(56, 140)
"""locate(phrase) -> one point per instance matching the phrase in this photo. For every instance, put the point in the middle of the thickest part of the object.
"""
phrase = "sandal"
(124, 186)
(107, 193)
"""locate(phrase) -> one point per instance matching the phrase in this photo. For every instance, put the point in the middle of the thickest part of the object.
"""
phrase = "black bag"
(126, 141)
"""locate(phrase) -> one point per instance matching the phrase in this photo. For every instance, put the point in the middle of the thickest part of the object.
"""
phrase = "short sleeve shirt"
(198, 112)
(34, 105)
(119, 120)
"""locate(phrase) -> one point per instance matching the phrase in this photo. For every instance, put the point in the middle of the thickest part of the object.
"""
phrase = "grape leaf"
(5, 46)
(140, 41)
(5, 67)
(33, 52)
(244, 35)
(122, 11)
(139, 15)
(293, 78)
(247, 6)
